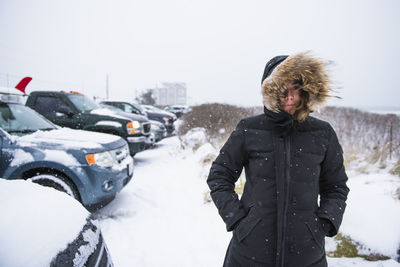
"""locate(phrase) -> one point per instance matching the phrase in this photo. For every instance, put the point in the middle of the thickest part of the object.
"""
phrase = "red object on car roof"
(23, 83)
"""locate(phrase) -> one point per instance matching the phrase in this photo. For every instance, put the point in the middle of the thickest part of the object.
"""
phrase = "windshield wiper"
(21, 131)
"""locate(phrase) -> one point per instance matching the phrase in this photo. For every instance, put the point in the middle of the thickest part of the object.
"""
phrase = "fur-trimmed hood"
(310, 71)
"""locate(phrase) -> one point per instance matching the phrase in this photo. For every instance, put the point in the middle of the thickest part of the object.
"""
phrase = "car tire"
(57, 182)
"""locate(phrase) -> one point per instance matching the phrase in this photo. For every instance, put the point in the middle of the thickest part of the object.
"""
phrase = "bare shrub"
(208, 159)
(219, 120)
(207, 197)
(364, 132)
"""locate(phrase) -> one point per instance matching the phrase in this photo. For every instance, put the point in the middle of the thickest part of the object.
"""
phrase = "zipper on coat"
(287, 147)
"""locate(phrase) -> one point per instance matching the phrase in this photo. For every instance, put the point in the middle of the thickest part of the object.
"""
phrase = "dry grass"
(346, 247)
(396, 168)
(398, 193)
(208, 159)
(350, 156)
(239, 188)
(207, 197)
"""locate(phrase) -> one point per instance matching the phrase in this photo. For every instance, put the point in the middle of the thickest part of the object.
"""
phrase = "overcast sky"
(217, 47)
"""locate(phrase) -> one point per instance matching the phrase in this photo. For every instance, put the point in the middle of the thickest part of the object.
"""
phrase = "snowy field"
(161, 219)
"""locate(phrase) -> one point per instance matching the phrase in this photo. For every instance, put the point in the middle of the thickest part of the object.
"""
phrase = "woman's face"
(290, 98)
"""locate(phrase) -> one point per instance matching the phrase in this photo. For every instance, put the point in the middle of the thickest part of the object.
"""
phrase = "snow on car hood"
(69, 138)
(108, 112)
(22, 157)
(115, 124)
(37, 222)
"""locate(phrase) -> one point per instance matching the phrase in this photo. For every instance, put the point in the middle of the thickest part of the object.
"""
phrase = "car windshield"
(152, 108)
(128, 108)
(139, 107)
(82, 102)
(19, 119)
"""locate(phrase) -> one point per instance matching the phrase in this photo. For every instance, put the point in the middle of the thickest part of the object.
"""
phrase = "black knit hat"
(271, 65)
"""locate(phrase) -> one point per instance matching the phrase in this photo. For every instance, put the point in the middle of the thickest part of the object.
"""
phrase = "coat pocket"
(317, 234)
(245, 227)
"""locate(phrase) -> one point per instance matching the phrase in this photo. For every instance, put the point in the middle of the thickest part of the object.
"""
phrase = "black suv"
(75, 110)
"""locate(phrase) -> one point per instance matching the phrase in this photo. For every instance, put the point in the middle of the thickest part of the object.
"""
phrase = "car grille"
(146, 127)
(120, 154)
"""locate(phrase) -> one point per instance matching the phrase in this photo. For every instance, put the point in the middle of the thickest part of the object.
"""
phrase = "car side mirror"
(65, 111)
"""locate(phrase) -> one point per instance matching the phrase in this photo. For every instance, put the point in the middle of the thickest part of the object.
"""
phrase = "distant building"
(167, 94)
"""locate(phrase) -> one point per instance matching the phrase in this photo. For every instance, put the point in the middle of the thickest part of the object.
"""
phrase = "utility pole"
(107, 87)
(391, 137)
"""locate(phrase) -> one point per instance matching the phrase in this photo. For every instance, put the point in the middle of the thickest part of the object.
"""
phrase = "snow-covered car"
(165, 117)
(158, 130)
(43, 227)
(149, 141)
(92, 167)
(150, 108)
(178, 110)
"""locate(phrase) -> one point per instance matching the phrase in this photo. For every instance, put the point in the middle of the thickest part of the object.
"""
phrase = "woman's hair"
(304, 99)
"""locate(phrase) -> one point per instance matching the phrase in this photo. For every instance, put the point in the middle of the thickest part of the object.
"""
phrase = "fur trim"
(310, 70)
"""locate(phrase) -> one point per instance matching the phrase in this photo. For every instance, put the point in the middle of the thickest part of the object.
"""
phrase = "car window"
(50, 104)
(82, 102)
(16, 118)
(5, 115)
(128, 108)
(115, 109)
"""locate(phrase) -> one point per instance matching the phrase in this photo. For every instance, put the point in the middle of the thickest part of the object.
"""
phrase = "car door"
(5, 158)
(56, 110)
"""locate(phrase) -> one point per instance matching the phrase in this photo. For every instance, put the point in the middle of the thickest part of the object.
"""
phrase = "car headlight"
(133, 127)
(102, 159)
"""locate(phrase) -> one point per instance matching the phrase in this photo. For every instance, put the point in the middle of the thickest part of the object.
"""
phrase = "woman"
(290, 159)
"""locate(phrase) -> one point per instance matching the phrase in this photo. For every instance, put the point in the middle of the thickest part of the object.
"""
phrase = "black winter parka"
(295, 184)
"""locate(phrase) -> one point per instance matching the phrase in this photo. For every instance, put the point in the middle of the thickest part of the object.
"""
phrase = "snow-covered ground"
(161, 218)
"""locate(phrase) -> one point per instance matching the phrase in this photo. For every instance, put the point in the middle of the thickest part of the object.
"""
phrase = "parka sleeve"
(224, 172)
(332, 185)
